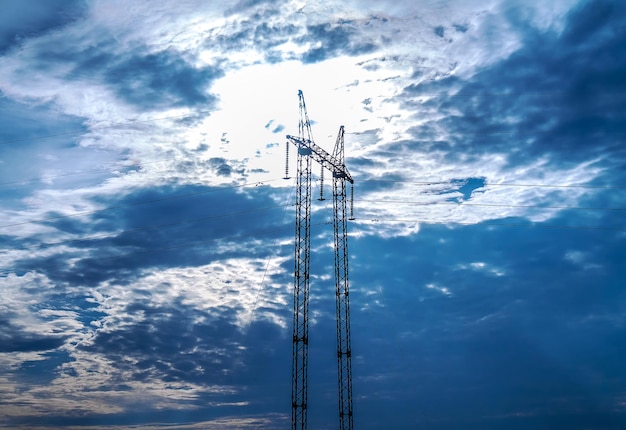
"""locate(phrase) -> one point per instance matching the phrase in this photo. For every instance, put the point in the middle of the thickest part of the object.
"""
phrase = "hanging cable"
(286, 160)
(321, 183)
(351, 218)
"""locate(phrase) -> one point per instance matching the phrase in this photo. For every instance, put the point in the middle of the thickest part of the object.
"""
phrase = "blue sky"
(146, 241)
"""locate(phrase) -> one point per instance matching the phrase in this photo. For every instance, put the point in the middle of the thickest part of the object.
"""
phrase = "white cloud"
(252, 94)
(582, 259)
(443, 290)
(230, 284)
(481, 266)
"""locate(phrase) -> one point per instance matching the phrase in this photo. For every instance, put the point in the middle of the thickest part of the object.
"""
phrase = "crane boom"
(328, 161)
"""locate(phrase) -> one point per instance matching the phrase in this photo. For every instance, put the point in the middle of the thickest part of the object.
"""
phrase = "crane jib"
(307, 147)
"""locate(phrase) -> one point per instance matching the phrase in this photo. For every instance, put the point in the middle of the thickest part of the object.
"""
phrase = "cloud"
(160, 80)
(539, 100)
(153, 81)
(147, 268)
(35, 18)
(330, 40)
(244, 5)
(183, 338)
(14, 340)
(114, 244)
(153, 346)
(549, 113)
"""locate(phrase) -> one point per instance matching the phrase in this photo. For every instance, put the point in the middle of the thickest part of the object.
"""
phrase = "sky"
(147, 230)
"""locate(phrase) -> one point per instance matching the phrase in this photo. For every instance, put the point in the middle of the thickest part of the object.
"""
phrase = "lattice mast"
(302, 258)
(344, 354)
(307, 151)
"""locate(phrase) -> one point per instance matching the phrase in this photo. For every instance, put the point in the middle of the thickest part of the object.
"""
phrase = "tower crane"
(307, 152)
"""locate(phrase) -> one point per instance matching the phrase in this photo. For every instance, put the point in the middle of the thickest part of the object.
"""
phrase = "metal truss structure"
(308, 152)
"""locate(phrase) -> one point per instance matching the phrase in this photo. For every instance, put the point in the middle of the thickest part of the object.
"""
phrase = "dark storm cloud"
(13, 339)
(157, 80)
(161, 80)
(180, 343)
(162, 227)
(170, 344)
(21, 20)
(561, 95)
(341, 38)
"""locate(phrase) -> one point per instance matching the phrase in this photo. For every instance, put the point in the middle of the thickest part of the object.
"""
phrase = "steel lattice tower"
(302, 258)
(344, 360)
(308, 151)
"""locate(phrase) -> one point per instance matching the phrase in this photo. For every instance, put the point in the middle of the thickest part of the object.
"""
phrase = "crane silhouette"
(307, 152)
